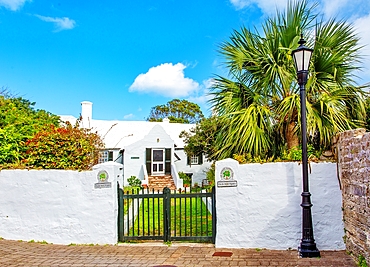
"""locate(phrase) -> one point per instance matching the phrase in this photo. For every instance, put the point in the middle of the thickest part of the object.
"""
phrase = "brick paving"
(18, 253)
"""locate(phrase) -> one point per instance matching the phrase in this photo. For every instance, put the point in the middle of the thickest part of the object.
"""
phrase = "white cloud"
(60, 23)
(129, 116)
(341, 8)
(209, 83)
(363, 29)
(13, 5)
(267, 6)
(239, 4)
(344, 8)
(331, 10)
(167, 80)
(203, 94)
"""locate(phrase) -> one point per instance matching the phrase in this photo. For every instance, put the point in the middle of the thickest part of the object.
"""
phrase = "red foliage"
(67, 147)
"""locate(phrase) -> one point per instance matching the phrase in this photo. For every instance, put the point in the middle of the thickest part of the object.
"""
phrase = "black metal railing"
(168, 216)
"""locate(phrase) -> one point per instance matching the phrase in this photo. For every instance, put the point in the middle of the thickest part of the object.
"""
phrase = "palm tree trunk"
(291, 136)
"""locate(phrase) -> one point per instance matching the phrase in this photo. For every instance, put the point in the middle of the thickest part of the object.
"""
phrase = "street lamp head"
(302, 57)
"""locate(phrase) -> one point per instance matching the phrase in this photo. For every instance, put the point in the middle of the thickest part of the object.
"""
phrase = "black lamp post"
(307, 248)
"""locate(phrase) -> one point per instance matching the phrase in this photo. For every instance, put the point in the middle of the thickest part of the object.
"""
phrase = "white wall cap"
(227, 160)
(106, 164)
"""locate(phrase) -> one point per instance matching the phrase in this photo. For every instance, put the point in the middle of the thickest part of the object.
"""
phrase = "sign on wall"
(102, 177)
(227, 178)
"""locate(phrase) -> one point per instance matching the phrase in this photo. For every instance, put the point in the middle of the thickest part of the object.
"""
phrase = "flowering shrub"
(66, 147)
(31, 138)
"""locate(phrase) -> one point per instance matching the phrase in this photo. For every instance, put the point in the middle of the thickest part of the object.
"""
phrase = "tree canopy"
(31, 138)
(19, 121)
(176, 110)
(258, 103)
(201, 138)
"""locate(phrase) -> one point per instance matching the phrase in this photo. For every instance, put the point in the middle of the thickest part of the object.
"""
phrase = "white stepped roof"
(118, 134)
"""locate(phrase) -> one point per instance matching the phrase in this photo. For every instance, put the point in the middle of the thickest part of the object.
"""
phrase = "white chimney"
(86, 113)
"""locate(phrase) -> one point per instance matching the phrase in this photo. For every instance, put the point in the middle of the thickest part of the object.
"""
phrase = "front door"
(158, 161)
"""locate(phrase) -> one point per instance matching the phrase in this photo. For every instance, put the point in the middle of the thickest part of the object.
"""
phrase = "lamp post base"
(308, 251)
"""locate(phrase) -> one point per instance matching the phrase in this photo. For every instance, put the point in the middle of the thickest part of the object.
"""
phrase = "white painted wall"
(198, 171)
(58, 206)
(179, 183)
(264, 211)
(156, 138)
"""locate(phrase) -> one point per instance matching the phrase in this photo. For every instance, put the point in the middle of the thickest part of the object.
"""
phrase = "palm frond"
(260, 97)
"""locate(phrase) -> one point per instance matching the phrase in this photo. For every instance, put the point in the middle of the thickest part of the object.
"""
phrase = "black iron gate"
(167, 216)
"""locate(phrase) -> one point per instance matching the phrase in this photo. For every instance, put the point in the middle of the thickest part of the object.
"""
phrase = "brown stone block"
(348, 214)
(363, 238)
(355, 150)
(350, 230)
(357, 190)
(347, 158)
(345, 175)
(363, 218)
(346, 189)
(366, 138)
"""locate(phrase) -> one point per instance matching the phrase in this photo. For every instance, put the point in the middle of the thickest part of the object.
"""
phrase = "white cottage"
(150, 151)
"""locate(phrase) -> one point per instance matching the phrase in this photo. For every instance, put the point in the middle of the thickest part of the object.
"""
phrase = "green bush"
(185, 178)
(35, 139)
(196, 188)
(295, 154)
(210, 176)
(248, 158)
(134, 182)
(19, 122)
(362, 261)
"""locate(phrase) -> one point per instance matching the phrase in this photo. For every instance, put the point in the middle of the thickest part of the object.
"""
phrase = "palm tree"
(259, 104)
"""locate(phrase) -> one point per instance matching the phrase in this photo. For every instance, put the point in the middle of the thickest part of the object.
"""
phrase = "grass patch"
(189, 217)
(127, 202)
(362, 261)
(89, 245)
(43, 242)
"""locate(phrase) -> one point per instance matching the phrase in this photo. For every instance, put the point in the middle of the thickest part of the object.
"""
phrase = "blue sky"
(128, 56)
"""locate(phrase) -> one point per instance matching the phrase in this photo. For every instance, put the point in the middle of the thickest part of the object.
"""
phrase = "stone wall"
(353, 148)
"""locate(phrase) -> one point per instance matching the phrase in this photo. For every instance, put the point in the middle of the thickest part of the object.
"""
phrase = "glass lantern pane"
(307, 58)
(298, 59)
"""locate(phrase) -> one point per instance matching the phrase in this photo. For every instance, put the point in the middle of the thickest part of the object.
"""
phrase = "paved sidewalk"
(18, 253)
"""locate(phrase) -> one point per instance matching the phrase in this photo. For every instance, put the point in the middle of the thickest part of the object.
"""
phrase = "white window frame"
(194, 160)
(104, 156)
